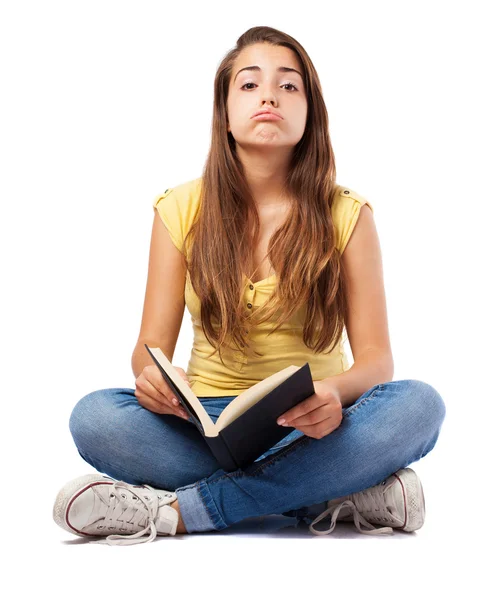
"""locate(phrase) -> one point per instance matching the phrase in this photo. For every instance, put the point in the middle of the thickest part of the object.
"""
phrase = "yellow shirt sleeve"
(345, 211)
(169, 210)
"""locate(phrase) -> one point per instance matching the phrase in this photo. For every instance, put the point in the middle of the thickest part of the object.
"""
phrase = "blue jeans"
(390, 426)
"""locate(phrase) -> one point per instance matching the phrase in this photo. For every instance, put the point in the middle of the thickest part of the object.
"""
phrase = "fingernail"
(175, 401)
(280, 421)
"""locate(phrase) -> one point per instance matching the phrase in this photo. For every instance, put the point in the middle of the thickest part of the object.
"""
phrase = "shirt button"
(251, 286)
(249, 305)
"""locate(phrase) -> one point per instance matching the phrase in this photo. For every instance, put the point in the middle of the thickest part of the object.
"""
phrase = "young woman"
(275, 261)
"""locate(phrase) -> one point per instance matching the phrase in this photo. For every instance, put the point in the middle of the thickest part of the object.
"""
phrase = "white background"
(107, 104)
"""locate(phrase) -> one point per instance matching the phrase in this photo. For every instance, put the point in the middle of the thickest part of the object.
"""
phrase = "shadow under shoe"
(398, 502)
(98, 505)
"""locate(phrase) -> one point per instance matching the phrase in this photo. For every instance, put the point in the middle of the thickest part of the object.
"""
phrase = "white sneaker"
(398, 500)
(98, 505)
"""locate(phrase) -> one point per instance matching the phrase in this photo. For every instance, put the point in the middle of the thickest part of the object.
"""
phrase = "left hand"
(319, 414)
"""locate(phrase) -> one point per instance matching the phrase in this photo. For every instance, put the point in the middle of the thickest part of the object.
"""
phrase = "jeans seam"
(354, 407)
(304, 439)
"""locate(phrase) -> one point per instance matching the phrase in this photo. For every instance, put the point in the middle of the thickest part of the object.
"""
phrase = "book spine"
(221, 452)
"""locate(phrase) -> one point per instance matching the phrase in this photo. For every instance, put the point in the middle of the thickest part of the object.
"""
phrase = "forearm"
(369, 370)
(141, 357)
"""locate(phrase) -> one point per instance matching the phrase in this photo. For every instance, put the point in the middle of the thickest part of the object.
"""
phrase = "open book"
(247, 427)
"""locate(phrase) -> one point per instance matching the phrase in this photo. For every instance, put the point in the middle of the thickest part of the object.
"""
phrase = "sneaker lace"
(136, 504)
(369, 501)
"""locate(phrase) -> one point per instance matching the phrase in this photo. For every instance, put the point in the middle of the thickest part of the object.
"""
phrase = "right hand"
(153, 393)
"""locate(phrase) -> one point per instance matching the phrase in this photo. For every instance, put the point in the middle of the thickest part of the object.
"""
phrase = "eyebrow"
(279, 69)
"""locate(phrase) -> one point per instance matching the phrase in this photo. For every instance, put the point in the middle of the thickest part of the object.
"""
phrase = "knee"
(427, 401)
(91, 417)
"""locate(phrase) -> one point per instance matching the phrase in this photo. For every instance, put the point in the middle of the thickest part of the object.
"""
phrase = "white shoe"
(98, 505)
(398, 500)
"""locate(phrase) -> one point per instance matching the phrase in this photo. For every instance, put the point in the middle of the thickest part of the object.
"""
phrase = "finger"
(179, 410)
(311, 418)
(182, 374)
(161, 394)
(169, 397)
(154, 405)
(165, 404)
(160, 388)
(165, 409)
(302, 408)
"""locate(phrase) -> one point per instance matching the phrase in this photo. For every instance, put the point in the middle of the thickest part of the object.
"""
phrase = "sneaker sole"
(68, 493)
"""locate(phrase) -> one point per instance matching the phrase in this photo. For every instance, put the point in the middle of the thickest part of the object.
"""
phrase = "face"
(266, 87)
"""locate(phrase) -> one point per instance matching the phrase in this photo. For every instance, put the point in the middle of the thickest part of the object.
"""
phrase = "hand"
(153, 393)
(319, 414)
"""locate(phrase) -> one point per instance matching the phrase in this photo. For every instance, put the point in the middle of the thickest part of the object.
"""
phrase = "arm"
(164, 301)
(367, 326)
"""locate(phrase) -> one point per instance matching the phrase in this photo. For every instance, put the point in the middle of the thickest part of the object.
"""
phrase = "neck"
(266, 174)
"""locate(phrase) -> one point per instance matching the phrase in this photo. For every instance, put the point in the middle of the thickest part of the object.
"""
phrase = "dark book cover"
(256, 430)
(239, 443)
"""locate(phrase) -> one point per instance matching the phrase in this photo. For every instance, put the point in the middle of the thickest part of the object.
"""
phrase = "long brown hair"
(302, 251)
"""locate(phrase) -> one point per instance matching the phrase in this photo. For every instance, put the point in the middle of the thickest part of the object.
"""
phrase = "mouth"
(266, 116)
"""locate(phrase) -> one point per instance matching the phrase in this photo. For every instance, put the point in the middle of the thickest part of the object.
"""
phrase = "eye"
(250, 83)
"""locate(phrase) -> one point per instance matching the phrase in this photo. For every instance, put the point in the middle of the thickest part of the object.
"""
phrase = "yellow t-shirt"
(177, 208)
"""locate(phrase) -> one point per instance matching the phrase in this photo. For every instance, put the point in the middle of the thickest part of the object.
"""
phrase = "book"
(247, 427)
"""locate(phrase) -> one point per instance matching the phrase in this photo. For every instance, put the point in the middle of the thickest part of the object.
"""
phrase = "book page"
(251, 396)
(208, 426)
